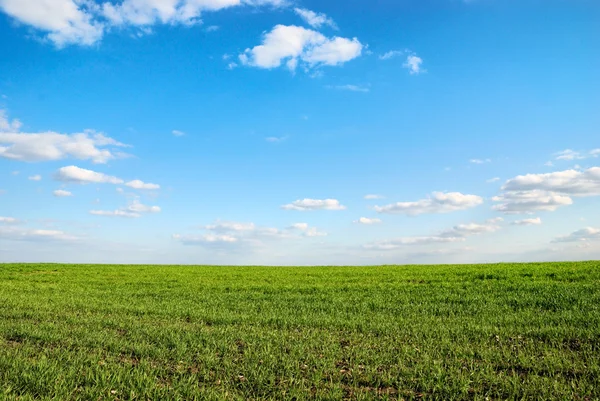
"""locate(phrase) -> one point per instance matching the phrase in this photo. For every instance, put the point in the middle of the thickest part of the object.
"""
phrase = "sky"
(299, 132)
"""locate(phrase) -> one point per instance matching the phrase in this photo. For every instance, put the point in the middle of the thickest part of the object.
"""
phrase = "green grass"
(487, 332)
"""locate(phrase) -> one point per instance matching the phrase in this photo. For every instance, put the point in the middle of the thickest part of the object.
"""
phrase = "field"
(481, 332)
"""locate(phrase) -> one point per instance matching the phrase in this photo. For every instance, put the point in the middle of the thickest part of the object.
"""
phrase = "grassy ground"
(529, 331)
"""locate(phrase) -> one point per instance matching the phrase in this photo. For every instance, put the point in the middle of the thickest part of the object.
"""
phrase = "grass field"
(486, 332)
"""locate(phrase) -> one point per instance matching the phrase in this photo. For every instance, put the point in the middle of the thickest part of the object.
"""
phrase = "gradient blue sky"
(475, 122)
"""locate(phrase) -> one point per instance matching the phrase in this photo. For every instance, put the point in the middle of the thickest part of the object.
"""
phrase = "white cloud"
(495, 179)
(413, 64)
(374, 196)
(391, 54)
(48, 146)
(229, 226)
(207, 239)
(532, 192)
(389, 245)
(595, 152)
(458, 233)
(519, 202)
(569, 154)
(212, 28)
(134, 210)
(316, 20)
(438, 202)
(60, 193)
(480, 161)
(65, 21)
(527, 222)
(276, 139)
(27, 234)
(84, 22)
(548, 164)
(187, 12)
(314, 232)
(5, 124)
(177, 133)
(299, 226)
(314, 204)
(294, 44)
(8, 220)
(366, 220)
(115, 213)
(83, 176)
(137, 184)
(351, 88)
(36, 177)
(583, 235)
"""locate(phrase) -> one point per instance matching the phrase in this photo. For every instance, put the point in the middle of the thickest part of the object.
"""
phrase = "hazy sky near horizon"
(299, 132)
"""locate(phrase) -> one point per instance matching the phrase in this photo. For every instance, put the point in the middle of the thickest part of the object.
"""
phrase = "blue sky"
(299, 132)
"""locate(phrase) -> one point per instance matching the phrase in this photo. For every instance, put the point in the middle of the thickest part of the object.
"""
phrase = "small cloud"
(374, 196)
(59, 193)
(351, 88)
(368, 221)
(413, 64)
(314, 204)
(15, 173)
(316, 20)
(177, 133)
(495, 179)
(569, 154)
(231, 66)
(212, 28)
(276, 139)
(548, 164)
(138, 184)
(35, 178)
(8, 220)
(391, 54)
(527, 222)
(480, 161)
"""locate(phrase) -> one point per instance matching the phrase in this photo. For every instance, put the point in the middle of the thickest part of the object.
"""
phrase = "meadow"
(477, 332)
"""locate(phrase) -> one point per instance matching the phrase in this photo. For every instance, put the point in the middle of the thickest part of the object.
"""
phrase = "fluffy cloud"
(534, 192)
(135, 209)
(295, 44)
(583, 235)
(467, 230)
(48, 146)
(36, 177)
(65, 21)
(413, 64)
(149, 12)
(314, 204)
(316, 20)
(527, 222)
(137, 184)
(82, 176)
(519, 202)
(368, 221)
(60, 193)
(438, 202)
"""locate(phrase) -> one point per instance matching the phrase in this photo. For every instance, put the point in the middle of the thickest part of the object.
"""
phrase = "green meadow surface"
(478, 332)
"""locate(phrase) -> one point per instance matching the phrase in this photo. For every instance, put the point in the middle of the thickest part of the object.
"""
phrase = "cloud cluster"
(227, 233)
(547, 192)
(295, 45)
(17, 233)
(583, 235)
(457, 233)
(314, 204)
(84, 22)
(570, 154)
(438, 202)
(135, 209)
